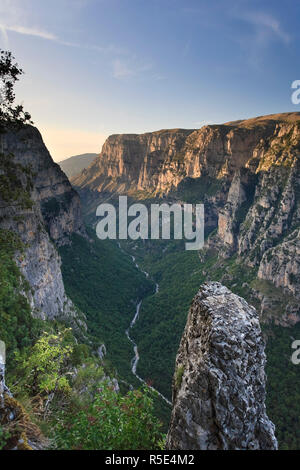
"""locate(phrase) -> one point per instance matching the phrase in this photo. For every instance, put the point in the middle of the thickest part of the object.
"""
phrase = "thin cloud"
(110, 49)
(267, 27)
(121, 68)
(124, 69)
(29, 32)
(263, 30)
(127, 65)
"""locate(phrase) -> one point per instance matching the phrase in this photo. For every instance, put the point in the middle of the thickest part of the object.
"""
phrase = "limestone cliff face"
(219, 381)
(158, 161)
(245, 172)
(139, 162)
(38, 204)
(59, 203)
(261, 217)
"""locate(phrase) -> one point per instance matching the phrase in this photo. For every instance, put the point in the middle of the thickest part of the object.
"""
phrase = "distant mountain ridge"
(72, 166)
(156, 162)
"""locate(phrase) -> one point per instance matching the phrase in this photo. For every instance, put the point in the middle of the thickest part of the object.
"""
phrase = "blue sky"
(99, 67)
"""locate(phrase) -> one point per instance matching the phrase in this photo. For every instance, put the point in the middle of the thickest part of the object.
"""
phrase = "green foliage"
(163, 316)
(53, 206)
(14, 190)
(9, 75)
(80, 353)
(195, 190)
(4, 436)
(41, 367)
(111, 421)
(283, 385)
(87, 380)
(103, 283)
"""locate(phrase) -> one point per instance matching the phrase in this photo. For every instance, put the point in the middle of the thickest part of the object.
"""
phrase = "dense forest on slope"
(283, 386)
(52, 370)
(104, 283)
(179, 274)
(163, 317)
(252, 225)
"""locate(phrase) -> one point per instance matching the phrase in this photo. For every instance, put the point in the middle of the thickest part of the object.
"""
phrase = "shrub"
(42, 365)
(111, 421)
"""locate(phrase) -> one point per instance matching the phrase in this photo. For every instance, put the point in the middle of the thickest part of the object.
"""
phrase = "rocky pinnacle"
(219, 385)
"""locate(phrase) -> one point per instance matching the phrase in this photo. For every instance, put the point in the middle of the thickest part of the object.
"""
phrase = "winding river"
(136, 357)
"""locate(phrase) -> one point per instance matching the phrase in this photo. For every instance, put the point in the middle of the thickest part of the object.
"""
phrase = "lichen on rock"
(219, 401)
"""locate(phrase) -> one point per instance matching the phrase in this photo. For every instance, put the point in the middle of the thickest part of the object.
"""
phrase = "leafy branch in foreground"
(43, 366)
(112, 421)
(9, 75)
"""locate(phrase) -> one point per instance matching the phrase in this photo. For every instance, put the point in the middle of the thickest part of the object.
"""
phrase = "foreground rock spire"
(219, 381)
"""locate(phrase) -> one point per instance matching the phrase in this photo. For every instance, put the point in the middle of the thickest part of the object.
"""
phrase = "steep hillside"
(247, 175)
(74, 165)
(57, 374)
(105, 284)
(38, 210)
(137, 162)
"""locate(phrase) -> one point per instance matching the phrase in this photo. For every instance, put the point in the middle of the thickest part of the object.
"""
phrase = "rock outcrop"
(59, 203)
(138, 162)
(219, 381)
(38, 204)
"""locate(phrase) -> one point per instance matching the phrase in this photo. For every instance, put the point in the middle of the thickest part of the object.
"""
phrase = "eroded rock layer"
(39, 206)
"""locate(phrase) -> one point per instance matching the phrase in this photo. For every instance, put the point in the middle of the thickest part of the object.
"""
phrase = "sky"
(100, 67)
